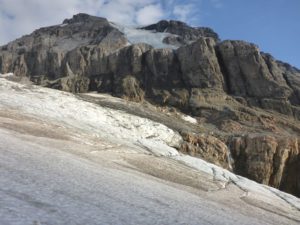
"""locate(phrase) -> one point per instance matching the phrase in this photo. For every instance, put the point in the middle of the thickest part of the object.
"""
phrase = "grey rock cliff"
(47, 51)
(248, 73)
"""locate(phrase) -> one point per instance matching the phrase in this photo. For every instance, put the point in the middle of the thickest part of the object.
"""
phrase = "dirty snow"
(40, 175)
(40, 184)
(100, 122)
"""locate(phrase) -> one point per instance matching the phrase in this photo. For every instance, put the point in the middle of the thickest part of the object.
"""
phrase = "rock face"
(76, 43)
(207, 147)
(246, 102)
(269, 160)
(199, 64)
(248, 73)
(185, 33)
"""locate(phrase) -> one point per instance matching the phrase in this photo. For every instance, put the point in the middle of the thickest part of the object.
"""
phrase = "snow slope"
(41, 184)
(64, 108)
(67, 161)
(6, 75)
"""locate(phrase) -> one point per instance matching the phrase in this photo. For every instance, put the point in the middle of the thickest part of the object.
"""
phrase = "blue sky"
(274, 25)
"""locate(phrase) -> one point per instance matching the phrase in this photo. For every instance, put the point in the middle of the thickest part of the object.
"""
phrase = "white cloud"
(124, 11)
(149, 14)
(183, 11)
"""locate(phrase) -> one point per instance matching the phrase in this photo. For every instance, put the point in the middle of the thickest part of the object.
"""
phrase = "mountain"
(245, 104)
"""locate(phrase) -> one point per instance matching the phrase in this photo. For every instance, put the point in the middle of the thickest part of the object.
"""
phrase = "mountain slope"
(245, 102)
(65, 160)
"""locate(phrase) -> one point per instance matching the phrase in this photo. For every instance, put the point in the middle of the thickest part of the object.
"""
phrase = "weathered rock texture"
(269, 160)
(208, 147)
(77, 45)
(185, 33)
(245, 101)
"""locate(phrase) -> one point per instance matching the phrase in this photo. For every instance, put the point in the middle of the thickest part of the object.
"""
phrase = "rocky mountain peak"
(163, 25)
(187, 32)
(83, 18)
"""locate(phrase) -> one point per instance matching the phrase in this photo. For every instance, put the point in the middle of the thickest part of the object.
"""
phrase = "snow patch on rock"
(189, 119)
(136, 36)
(6, 75)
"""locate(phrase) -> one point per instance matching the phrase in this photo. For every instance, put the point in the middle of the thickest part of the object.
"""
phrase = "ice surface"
(45, 181)
(135, 36)
(101, 122)
(245, 184)
(40, 184)
(156, 148)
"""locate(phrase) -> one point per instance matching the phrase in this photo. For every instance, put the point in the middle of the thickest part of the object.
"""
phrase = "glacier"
(67, 161)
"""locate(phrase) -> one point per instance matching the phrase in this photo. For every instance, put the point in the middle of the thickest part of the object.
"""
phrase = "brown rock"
(130, 89)
(206, 147)
(269, 160)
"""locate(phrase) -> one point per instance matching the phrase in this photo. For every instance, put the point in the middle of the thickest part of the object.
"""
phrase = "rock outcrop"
(269, 160)
(199, 65)
(185, 33)
(245, 101)
(208, 147)
(248, 74)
